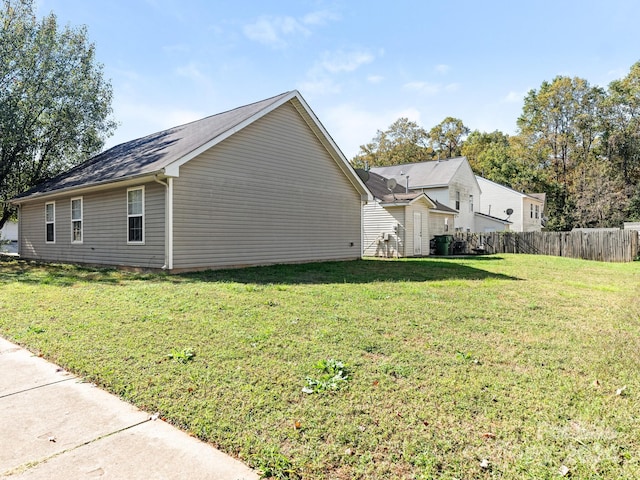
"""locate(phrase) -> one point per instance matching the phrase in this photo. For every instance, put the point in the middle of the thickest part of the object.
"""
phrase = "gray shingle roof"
(377, 185)
(150, 154)
(423, 174)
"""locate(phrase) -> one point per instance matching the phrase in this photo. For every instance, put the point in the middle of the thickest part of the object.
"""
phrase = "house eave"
(96, 187)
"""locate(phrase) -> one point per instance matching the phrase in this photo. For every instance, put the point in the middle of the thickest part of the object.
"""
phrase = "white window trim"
(144, 233)
(81, 220)
(52, 222)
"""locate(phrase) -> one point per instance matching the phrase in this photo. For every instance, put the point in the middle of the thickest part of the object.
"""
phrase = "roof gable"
(533, 196)
(164, 152)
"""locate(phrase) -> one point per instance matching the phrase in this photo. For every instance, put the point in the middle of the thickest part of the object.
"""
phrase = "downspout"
(168, 222)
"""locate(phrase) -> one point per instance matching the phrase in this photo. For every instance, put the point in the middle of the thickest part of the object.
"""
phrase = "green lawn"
(490, 367)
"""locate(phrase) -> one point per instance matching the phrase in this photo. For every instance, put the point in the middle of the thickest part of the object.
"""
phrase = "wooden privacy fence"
(605, 246)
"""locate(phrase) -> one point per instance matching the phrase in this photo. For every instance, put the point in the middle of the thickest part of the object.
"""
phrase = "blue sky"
(359, 64)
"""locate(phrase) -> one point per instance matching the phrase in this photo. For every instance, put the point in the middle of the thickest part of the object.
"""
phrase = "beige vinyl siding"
(270, 193)
(379, 221)
(104, 220)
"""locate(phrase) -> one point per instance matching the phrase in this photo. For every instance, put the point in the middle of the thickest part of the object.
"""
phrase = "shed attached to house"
(399, 223)
(260, 184)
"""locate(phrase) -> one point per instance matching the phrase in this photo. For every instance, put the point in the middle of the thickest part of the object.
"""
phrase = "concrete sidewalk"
(54, 426)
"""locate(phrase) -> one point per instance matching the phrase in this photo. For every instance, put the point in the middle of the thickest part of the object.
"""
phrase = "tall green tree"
(403, 142)
(622, 133)
(447, 137)
(55, 104)
(563, 121)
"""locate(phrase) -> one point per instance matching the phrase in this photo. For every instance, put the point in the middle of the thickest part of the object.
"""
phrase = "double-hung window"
(537, 211)
(531, 208)
(471, 203)
(76, 220)
(50, 222)
(135, 215)
(458, 201)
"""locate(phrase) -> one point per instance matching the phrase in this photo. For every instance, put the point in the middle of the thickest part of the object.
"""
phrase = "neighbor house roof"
(491, 217)
(377, 185)
(163, 152)
(434, 173)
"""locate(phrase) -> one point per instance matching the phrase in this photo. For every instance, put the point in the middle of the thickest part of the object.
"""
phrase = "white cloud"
(442, 68)
(424, 87)
(278, 31)
(452, 87)
(272, 31)
(321, 17)
(375, 79)
(341, 61)
(321, 76)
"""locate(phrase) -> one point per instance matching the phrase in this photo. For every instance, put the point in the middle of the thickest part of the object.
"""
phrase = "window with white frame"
(76, 220)
(531, 209)
(457, 200)
(537, 211)
(50, 222)
(471, 203)
(135, 215)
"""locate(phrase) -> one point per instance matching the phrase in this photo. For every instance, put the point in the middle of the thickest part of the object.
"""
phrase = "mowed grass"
(490, 367)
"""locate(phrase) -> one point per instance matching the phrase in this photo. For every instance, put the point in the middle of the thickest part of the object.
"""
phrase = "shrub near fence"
(605, 246)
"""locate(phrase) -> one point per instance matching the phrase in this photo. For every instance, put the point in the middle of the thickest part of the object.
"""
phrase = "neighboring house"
(450, 182)
(9, 232)
(486, 224)
(527, 210)
(260, 184)
(401, 224)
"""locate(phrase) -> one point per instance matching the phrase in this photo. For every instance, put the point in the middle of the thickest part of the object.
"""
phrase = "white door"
(417, 233)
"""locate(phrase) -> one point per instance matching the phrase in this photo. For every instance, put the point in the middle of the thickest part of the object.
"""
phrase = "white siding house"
(9, 232)
(450, 182)
(524, 211)
(260, 184)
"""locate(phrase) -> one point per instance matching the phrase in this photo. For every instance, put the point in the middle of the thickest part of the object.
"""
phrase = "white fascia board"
(424, 196)
(84, 189)
(510, 190)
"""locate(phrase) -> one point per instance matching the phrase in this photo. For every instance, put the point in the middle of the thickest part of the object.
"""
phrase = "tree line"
(578, 143)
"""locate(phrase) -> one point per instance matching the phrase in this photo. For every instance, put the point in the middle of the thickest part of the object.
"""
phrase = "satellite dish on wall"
(391, 183)
(509, 211)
